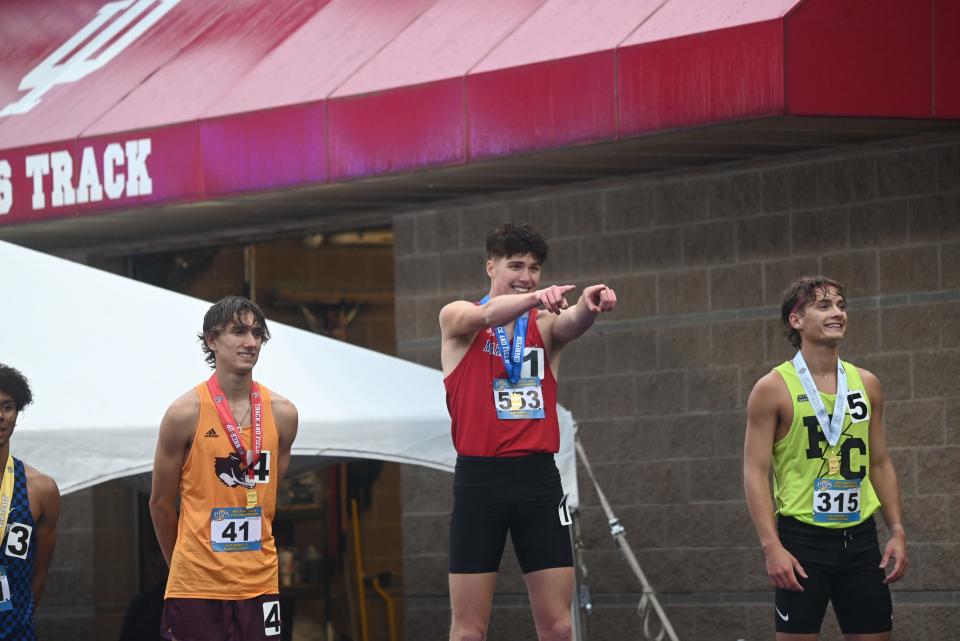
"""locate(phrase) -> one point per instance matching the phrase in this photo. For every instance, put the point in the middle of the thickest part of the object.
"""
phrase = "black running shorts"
(520, 494)
(842, 566)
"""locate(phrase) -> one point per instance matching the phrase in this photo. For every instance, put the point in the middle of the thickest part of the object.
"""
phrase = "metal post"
(649, 599)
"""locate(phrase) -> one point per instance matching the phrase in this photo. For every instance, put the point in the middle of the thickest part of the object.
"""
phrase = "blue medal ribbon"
(512, 358)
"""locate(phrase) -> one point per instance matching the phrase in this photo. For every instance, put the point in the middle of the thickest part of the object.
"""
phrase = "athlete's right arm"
(762, 416)
(461, 319)
(173, 443)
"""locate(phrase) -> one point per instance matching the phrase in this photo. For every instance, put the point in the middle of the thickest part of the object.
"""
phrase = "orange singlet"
(215, 556)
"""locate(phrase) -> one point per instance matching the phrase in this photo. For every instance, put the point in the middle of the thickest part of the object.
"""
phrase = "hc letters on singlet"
(838, 500)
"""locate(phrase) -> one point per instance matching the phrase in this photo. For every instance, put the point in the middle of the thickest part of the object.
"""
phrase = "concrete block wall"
(659, 388)
(93, 575)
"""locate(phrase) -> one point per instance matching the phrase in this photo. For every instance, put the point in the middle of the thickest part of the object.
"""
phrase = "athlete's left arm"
(884, 480)
(574, 321)
(43, 489)
(287, 419)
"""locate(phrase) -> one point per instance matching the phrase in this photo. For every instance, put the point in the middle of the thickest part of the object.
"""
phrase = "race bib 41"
(235, 529)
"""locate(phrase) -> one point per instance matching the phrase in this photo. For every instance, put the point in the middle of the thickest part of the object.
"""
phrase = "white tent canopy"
(106, 355)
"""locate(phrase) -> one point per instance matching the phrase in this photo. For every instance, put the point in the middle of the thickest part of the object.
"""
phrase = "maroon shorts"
(256, 619)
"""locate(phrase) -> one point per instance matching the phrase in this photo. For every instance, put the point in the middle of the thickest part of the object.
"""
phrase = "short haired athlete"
(223, 448)
(29, 509)
(500, 358)
(818, 421)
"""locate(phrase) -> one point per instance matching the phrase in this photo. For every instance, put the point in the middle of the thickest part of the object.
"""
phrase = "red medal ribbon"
(230, 424)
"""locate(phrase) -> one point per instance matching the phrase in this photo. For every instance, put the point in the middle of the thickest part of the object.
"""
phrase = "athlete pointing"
(500, 359)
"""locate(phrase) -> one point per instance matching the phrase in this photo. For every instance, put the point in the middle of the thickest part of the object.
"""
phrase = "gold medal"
(251, 498)
(516, 401)
(833, 464)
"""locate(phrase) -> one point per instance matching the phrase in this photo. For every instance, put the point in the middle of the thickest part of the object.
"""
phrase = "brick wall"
(93, 575)
(659, 388)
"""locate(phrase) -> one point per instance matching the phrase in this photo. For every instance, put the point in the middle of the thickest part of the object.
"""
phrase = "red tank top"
(475, 427)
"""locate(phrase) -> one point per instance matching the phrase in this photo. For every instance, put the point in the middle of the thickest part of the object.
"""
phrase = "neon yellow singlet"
(801, 456)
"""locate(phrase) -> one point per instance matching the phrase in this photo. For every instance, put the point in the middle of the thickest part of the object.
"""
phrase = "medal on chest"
(833, 464)
(520, 395)
(252, 456)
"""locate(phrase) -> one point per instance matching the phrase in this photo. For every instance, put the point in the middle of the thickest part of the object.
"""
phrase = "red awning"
(114, 106)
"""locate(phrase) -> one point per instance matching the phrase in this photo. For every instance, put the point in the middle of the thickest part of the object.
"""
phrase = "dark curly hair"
(16, 385)
(225, 311)
(516, 240)
(798, 295)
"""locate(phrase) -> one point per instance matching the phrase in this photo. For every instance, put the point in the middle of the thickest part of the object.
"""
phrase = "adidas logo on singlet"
(802, 398)
(212, 433)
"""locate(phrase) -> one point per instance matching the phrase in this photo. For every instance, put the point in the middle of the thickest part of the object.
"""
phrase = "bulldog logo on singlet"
(230, 471)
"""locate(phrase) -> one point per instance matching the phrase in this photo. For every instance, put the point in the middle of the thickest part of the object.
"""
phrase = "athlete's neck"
(4, 453)
(821, 360)
(235, 386)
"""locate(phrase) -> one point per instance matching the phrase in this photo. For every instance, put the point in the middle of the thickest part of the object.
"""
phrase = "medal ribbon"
(512, 359)
(831, 426)
(6, 495)
(251, 457)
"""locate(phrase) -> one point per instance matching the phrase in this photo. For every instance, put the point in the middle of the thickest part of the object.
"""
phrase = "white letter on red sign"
(112, 181)
(89, 188)
(38, 166)
(62, 192)
(6, 188)
(95, 52)
(138, 179)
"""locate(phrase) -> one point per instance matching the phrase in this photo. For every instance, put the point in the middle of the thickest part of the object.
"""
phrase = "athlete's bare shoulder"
(186, 403)
(286, 418)
(770, 391)
(771, 383)
(182, 415)
(872, 385)
(283, 409)
(41, 489)
(459, 319)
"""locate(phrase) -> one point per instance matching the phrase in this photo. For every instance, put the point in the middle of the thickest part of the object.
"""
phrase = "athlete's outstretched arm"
(173, 443)
(575, 321)
(287, 419)
(762, 416)
(884, 480)
(48, 495)
(462, 318)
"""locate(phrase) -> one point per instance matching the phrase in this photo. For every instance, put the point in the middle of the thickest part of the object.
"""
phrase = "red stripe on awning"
(861, 58)
(946, 59)
(243, 96)
(699, 79)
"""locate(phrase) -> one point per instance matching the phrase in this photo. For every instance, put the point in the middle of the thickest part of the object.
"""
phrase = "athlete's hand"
(896, 548)
(783, 568)
(551, 298)
(599, 298)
